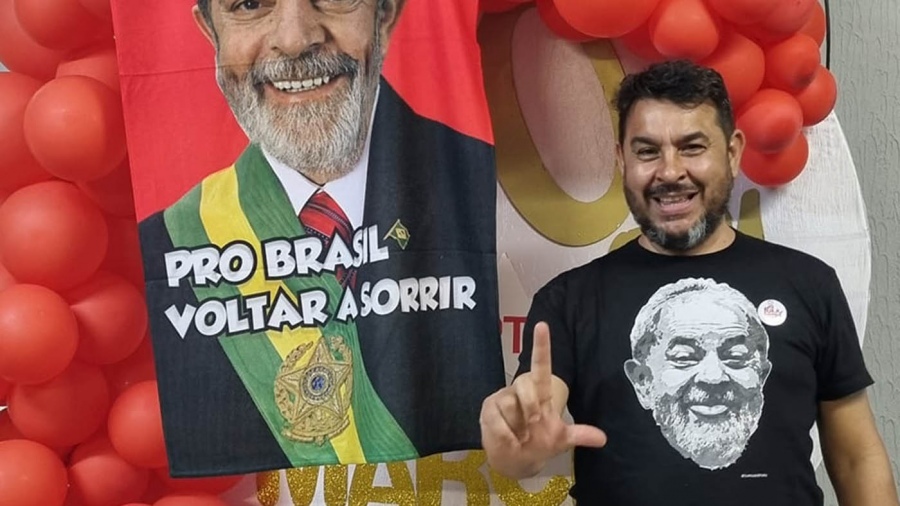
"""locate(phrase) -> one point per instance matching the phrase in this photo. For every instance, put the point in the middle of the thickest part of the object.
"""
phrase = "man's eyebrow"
(733, 341)
(683, 341)
(642, 140)
(692, 137)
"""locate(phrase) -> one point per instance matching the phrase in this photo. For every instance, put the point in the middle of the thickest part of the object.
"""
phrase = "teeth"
(708, 410)
(304, 85)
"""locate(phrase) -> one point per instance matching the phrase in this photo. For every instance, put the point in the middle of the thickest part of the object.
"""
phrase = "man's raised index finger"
(541, 364)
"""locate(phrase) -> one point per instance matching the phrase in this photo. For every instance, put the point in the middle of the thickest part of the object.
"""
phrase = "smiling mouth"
(704, 410)
(299, 86)
(673, 204)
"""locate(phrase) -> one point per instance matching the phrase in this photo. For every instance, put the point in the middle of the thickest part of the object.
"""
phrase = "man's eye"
(337, 5)
(683, 356)
(246, 5)
(645, 153)
(737, 355)
(694, 149)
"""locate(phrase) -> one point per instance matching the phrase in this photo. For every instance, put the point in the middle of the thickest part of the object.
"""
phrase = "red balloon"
(30, 475)
(638, 42)
(18, 167)
(64, 411)
(75, 129)
(190, 500)
(761, 35)
(556, 23)
(60, 24)
(816, 26)
(792, 63)
(8, 431)
(53, 235)
(112, 192)
(38, 334)
(101, 477)
(4, 389)
(6, 279)
(775, 169)
(97, 62)
(98, 8)
(817, 100)
(214, 486)
(605, 18)
(136, 368)
(112, 318)
(19, 52)
(789, 16)
(684, 29)
(741, 63)
(771, 120)
(137, 504)
(495, 6)
(124, 255)
(743, 12)
(135, 426)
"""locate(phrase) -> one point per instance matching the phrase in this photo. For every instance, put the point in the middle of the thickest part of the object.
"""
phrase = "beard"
(715, 210)
(711, 442)
(321, 139)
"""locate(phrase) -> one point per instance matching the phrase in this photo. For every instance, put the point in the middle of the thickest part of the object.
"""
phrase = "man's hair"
(681, 82)
(645, 334)
(203, 5)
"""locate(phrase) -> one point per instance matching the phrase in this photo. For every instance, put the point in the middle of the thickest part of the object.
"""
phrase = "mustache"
(663, 189)
(307, 65)
(711, 395)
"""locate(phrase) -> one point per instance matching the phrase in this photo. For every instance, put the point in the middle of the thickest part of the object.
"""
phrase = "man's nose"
(672, 168)
(298, 26)
(711, 370)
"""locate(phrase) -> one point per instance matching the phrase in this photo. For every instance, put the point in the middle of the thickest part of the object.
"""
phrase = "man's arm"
(855, 457)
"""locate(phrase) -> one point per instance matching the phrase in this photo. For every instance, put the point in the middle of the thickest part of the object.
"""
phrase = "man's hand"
(522, 426)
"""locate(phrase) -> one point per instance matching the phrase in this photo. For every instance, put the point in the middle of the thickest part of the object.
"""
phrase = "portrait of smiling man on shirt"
(700, 361)
(319, 289)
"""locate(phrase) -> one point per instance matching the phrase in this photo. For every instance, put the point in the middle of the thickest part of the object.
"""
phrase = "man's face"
(679, 170)
(704, 378)
(301, 75)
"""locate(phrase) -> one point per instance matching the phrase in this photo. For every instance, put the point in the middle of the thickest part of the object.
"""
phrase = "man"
(701, 372)
(306, 303)
(731, 399)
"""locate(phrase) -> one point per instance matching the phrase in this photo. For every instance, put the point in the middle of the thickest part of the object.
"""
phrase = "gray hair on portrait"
(645, 335)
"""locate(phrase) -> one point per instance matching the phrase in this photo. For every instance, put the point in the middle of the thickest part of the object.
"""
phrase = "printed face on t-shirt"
(700, 363)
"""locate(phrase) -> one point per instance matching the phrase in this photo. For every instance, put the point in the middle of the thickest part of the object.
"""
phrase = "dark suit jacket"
(431, 369)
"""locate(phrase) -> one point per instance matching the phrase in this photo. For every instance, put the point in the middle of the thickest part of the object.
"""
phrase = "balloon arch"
(83, 425)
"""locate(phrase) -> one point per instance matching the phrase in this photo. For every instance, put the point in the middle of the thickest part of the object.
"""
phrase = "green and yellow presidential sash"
(308, 383)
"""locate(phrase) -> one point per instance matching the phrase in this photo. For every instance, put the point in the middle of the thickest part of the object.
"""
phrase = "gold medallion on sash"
(314, 398)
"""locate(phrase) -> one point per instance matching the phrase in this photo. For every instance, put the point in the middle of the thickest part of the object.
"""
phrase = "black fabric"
(814, 356)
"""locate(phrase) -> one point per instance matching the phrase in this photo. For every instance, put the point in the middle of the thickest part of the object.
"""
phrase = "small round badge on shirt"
(772, 312)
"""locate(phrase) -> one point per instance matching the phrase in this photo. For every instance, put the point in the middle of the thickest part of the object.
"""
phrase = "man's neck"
(720, 239)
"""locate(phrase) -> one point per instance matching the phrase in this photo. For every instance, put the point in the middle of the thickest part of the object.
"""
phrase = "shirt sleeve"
(840, 367)
(551, 305)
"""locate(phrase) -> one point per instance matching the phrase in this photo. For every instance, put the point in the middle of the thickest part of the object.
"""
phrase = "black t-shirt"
(705, 371)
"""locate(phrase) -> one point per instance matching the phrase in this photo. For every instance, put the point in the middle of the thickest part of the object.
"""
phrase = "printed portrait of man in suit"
(330, 297)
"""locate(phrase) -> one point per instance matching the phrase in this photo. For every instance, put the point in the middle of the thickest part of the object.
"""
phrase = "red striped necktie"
(322, 217)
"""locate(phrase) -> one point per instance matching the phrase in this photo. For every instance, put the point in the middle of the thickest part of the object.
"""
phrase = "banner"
(314, 183)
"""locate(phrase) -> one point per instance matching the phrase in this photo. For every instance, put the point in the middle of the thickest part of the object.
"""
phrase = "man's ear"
(208, 31)
(640, 377)
(620, 158)
(392, 10)
(735, 149)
